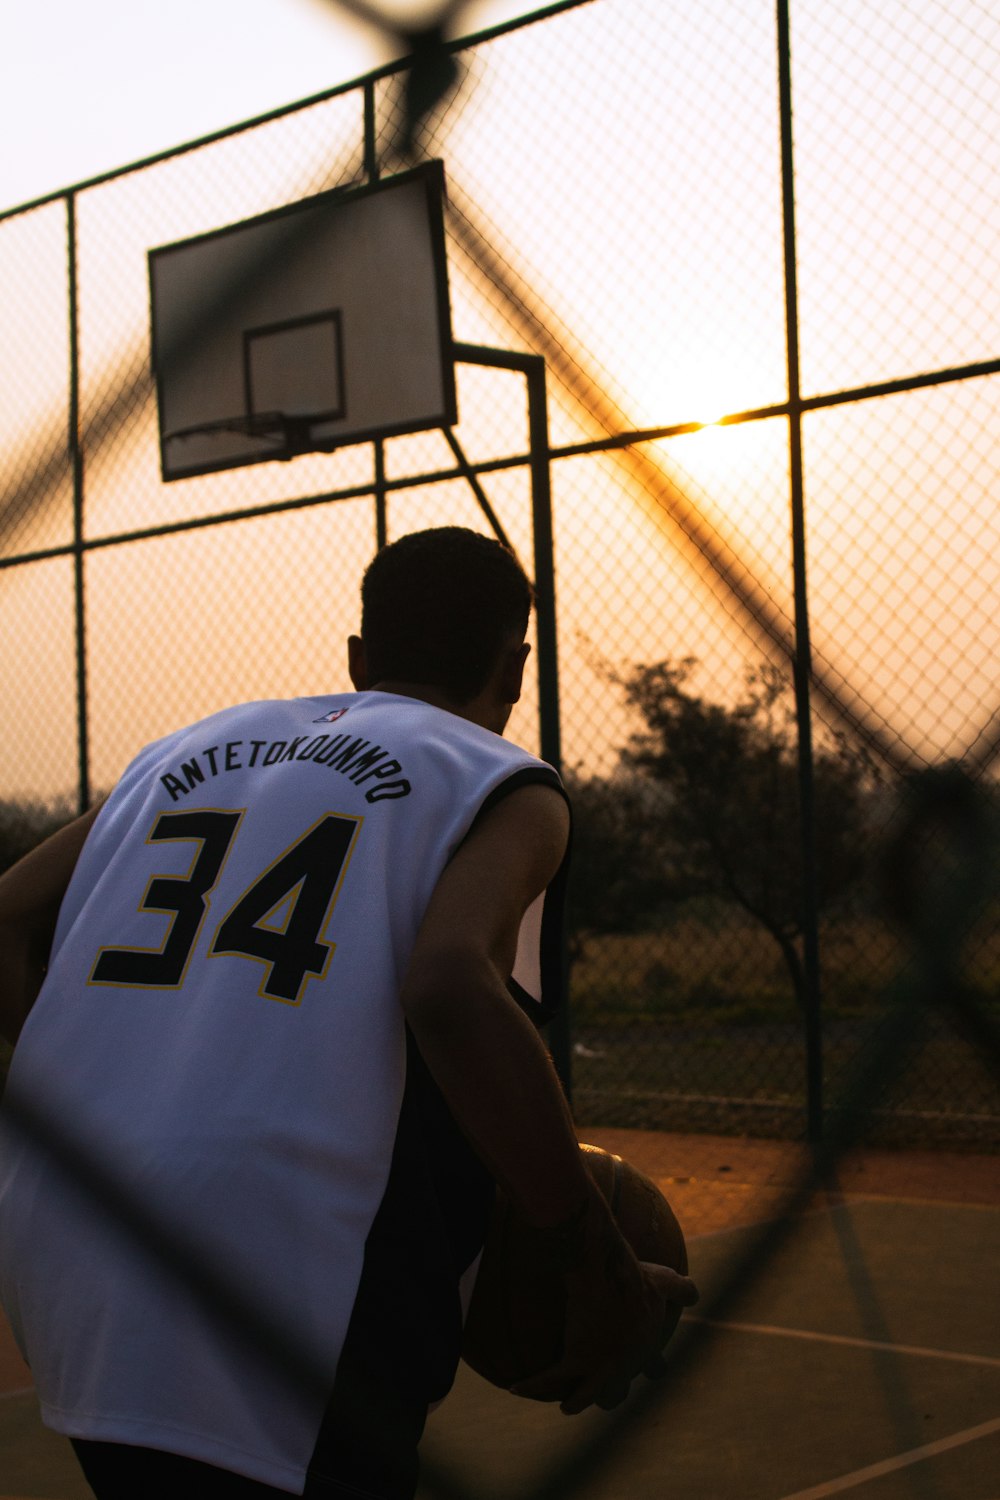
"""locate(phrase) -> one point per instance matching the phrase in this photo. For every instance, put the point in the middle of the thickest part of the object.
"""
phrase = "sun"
(704, 390)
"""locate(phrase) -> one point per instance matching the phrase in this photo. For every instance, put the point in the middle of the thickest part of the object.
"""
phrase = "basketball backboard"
(305, 329)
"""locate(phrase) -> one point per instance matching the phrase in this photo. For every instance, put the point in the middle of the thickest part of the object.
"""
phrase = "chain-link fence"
(763, 623)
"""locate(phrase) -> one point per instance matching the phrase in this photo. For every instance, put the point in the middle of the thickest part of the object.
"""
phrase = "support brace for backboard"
(532, 367)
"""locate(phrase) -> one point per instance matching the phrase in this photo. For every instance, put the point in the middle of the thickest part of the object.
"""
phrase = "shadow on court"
(864, 1362)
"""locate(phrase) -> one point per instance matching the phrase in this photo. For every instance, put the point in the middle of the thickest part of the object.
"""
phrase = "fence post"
(381, 507)
(560, 1036)
(75, 439)
(802, 665)
(532, 367)
(545, 577)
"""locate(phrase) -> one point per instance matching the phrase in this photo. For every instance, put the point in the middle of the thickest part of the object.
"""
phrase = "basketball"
(514, 1327)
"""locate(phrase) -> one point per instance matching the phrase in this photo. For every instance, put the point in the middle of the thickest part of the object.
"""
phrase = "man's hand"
(619, 1315)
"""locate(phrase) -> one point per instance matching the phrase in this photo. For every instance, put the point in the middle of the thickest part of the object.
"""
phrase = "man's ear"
(357, 664)
(513, 673)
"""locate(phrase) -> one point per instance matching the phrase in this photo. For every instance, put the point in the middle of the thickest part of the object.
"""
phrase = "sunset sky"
(621, 161)
(90, 86)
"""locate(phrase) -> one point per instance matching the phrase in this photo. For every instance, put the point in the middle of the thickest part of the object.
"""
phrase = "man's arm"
(498, 1080)
(31, 894)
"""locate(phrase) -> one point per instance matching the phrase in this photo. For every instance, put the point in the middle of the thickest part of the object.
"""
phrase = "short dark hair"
(438, 606)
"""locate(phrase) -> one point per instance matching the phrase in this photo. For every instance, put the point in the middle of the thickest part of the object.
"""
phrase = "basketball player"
(281, 995)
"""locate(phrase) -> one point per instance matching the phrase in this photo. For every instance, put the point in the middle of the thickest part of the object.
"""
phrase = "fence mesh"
(618, 204)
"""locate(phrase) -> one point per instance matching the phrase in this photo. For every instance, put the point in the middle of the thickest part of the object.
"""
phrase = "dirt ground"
(720, 1182)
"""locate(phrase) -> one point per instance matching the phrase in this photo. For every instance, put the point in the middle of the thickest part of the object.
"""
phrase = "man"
(292, 971)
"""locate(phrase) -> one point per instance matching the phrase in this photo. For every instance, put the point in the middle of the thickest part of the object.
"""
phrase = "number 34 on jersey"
(278, 921)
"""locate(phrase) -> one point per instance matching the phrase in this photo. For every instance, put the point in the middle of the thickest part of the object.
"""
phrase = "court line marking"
(844, 1198)
(901, 1461)
(854, 1343)
(812, 1211)
(24, 1390)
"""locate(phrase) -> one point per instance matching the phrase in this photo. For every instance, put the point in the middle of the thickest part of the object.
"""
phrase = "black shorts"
(116, 1471)
(366, 1449)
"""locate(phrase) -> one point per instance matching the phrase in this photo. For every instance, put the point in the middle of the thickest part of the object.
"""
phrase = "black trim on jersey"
(404, 1340)
(552, 938)
(527, 776)
(552, 955)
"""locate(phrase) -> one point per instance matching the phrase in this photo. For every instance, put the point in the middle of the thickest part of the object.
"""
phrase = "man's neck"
(477, 711)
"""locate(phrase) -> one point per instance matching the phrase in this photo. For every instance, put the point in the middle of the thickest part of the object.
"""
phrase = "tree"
(22, 826)
(732, 820)
(616, 873)
(25, 824)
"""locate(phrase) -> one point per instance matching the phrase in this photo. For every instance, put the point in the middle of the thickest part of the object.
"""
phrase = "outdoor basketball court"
(864, 1362)
(863, 1357)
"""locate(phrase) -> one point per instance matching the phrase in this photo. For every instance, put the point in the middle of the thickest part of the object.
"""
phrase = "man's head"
(443, 609)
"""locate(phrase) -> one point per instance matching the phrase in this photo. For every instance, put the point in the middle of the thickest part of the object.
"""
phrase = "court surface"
(864, 1361)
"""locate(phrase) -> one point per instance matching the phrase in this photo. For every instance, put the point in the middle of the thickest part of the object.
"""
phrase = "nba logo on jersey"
(331, 717)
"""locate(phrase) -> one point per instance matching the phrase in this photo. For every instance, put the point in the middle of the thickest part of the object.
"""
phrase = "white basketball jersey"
(220, 1032)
